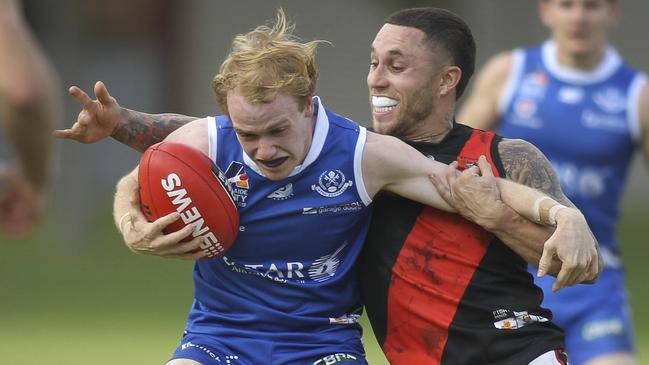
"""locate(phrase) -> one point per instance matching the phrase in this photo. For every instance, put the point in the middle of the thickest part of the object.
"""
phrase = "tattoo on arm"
(142, 130)
(527, 165)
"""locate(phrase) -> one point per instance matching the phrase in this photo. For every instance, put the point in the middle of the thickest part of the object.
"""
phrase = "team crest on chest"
(331, 183)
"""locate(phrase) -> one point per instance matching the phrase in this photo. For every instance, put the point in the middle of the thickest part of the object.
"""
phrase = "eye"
(278, 131)
(397, 68)
(246, 136)
(373, 64)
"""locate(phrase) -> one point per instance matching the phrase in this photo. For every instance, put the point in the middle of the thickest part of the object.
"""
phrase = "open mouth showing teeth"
(383, 109)
(382, 104)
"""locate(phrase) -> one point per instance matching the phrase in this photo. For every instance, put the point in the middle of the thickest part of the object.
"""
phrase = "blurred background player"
(29, 108)
(575, 98)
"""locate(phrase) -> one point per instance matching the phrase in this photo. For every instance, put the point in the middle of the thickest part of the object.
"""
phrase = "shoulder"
(643, 111)
(340, 121)
(498, 67)
(525, 164)
(519, 157)
(194, 134)
(480, 109)
(380, 146)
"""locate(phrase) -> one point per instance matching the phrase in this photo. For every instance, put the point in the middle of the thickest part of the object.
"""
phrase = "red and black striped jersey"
(439, 289)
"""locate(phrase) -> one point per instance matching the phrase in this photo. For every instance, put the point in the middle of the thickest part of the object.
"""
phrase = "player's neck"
(586, 61)
(435, 129)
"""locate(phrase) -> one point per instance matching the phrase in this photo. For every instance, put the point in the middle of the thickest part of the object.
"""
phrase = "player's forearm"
(141, 130)
(522, 199)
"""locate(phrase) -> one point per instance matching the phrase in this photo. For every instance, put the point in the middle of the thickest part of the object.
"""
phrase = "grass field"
(100, 304)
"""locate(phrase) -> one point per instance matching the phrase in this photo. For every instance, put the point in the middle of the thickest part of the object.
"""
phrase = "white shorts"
(555, 357)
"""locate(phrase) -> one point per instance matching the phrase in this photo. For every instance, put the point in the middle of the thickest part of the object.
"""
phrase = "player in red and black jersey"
(437, 288)
(440, 289)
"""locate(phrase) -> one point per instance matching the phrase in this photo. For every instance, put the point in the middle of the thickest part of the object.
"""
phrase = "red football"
(176, 177)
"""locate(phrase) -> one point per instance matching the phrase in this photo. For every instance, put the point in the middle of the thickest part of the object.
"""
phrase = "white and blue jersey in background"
(586, 123)
(288, 283)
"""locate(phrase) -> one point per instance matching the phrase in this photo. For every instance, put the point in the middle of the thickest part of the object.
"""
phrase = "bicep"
(527, 165)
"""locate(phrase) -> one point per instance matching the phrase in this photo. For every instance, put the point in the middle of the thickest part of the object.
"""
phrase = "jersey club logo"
(331, 183)
(282, 193)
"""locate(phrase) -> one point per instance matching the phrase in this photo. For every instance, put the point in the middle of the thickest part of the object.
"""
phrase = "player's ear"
(543, 12)
(449, 80)
(614, 14)
(310, 107)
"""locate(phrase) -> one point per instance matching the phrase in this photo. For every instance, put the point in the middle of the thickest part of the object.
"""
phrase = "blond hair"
(268, 60)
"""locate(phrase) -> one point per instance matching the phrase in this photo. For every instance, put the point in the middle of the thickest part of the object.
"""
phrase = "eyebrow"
(392, 52)
(272, 126)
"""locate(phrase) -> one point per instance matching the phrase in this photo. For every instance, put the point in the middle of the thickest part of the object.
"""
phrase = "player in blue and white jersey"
(588, 112)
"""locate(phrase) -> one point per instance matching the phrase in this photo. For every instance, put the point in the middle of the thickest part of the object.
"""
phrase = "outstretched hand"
(97, 120)
(148, 238)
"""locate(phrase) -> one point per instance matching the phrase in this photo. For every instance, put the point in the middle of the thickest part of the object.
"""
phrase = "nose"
(376, 78)
(266, 150)
(579, 12)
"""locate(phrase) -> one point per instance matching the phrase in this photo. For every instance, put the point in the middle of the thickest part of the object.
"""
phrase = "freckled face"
(276, 135)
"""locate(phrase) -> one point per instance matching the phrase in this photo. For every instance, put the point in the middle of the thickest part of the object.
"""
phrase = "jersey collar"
(609, 64)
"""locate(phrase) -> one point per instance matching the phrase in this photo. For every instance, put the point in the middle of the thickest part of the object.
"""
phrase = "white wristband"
(553, 213)
(536, 206)
(121, 221)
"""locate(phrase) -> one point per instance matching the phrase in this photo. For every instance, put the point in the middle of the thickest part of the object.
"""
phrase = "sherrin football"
(175, 177)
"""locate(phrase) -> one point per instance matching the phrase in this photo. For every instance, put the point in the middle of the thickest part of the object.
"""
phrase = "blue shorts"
(596, 317)
(209, 350)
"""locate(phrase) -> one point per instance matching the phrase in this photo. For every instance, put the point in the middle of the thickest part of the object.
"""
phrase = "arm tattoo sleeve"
(527, 165)
(141, 130)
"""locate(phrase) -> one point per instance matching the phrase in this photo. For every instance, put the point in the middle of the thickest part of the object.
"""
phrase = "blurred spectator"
(29, 108)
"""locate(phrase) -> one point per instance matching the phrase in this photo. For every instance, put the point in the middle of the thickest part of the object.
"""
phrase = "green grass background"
(97, 303)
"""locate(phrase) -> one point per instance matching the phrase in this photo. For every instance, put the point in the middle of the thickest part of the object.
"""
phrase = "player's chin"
(383, 125)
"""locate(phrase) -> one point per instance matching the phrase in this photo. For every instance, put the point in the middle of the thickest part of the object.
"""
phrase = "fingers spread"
(101, 92)
(81, 97)
(62, 133)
